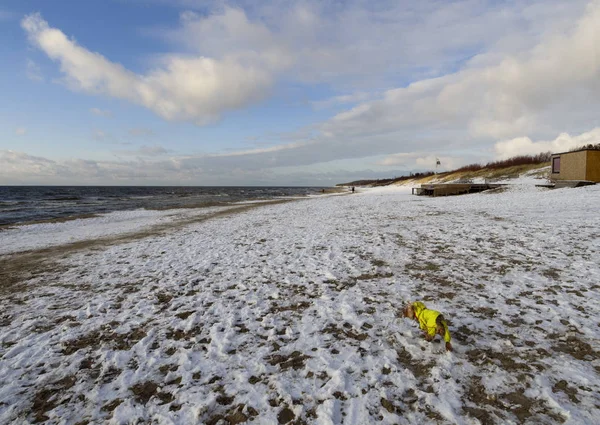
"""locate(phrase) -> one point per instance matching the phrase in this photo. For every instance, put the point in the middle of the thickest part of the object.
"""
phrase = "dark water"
(21, 204)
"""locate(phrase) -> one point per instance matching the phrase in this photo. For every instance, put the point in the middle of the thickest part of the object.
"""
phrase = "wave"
(65, 198)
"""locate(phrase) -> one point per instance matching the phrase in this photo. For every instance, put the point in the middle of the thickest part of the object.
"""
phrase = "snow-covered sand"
(44, 235)
(288, 313)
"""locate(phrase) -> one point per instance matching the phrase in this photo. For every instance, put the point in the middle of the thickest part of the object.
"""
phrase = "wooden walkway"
(449, 189)
(559, 184)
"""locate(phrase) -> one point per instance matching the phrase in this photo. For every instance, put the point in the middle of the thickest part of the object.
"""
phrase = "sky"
(288, 93)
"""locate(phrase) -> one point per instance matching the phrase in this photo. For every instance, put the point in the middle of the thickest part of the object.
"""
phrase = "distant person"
(352, 189)
(430, 321)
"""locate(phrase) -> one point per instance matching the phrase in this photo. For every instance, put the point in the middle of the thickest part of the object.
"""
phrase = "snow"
(290, 312)
(45, 235)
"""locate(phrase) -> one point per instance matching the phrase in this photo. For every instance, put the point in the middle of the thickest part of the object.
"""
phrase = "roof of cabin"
(578, 150)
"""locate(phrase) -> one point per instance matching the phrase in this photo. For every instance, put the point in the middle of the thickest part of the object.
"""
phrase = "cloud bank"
(197, 89)
(230, 169)
(491, 80)
(511, 97)
(564, 142)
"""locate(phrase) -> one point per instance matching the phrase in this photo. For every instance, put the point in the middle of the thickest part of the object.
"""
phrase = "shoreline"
(170, 205)
(65, 219)
(18, 267)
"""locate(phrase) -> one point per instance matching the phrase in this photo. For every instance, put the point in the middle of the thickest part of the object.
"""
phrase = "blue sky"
(288, 93)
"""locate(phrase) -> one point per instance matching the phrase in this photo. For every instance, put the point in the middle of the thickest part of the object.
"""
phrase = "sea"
(26, 204)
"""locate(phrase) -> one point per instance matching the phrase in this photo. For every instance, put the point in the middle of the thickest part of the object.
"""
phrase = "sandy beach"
(289, 312)
(29, 255)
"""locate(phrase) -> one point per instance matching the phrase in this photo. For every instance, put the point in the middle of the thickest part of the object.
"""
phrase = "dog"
(430, 321)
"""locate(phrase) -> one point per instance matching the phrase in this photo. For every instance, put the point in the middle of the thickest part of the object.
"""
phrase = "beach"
(290, 312)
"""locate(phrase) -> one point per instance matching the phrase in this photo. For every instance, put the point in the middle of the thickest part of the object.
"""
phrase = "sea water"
(22, 204)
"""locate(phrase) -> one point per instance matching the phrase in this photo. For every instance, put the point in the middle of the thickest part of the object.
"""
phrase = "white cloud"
(197, 89)
(20, 131)
(236, 53)
(21, 168)
(543, 91)
(517, 71)
(536, 66)
(228, 32)
(564, 142)
(16, 167)
(153, 165)
(101, 112)
(370, 44)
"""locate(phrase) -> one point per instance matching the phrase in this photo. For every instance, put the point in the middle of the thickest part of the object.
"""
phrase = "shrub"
(594, 147)
(520, 160)
(470, 167)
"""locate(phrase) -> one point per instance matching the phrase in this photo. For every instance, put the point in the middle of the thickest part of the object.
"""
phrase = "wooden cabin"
(581, 165)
